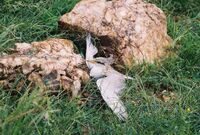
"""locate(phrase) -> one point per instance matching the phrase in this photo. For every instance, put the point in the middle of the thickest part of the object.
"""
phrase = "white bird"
(109, 81)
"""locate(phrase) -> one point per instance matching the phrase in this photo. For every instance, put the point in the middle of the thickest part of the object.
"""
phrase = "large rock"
(132, 30)
(51, 64)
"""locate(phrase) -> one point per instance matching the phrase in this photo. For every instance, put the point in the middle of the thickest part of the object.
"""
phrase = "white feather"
(111, 87)
(91, 50)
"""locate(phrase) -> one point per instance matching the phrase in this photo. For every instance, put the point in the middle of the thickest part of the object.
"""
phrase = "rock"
(132, 30)
(51, 64)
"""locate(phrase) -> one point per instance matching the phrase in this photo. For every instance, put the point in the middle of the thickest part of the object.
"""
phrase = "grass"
(30, 113)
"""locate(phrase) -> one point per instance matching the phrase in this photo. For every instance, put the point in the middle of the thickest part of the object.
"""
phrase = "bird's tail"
(117, 106)
(120, 110)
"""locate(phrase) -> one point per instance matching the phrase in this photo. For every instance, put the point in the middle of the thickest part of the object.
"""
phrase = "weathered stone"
(49, 64)
(132, 30)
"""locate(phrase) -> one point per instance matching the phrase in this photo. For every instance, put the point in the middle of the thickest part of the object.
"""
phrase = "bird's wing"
(111, 87)
(91, 50)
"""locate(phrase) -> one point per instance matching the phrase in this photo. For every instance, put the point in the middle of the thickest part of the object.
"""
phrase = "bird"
(110, 82)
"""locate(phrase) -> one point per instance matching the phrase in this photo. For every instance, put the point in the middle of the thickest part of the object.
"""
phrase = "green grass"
(31, 113)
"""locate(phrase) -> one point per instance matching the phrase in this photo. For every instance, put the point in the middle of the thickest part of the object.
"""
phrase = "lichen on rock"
(50, 64)
(133, 30)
